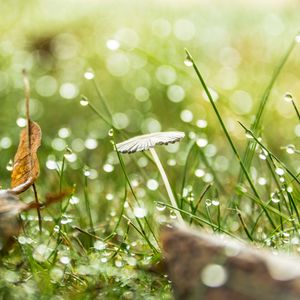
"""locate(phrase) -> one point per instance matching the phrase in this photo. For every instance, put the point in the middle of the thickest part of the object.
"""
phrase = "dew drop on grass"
(297, 38)
(65, 260)
(56, 274)
(56, 228)
(74, 200)
(109, 197)
(41, 253)
(84, 101)
(152, 184)
(290, 149)
(9, 166)
(279, 171)
(288, 97)
(202, 142)
(104, 259)
(248, 135)
(281, 179)
(199, 173)
(160, 206)
(89, 74)
(201, 123)
(21, 122)
(119, 263)
(173, 214)
(171, 162)
(140, 212)
(215, 202)
(208, 202)
(188, 62)
(99, 245)
(86, 172)
(112, 44)
(108, 168)
(262, 181)
(275, 198)
(111, 132)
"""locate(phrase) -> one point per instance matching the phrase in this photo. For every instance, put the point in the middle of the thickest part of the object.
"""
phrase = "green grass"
(236, 172)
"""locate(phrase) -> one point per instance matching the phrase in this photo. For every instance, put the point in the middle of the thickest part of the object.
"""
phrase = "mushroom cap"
(147, 141)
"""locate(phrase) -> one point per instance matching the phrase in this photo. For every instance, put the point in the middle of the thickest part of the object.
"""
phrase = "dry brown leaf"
(26, 165)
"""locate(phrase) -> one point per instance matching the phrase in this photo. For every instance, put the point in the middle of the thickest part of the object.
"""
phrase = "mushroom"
(148, 142)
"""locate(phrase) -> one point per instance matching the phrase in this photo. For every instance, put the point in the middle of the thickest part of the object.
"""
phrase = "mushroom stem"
(167, 185)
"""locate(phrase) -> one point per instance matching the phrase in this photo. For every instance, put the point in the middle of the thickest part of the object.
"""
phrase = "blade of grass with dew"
(102, 99)
(244, 226)
(199, 219)
(87, 205)
(120, 215)
(250, 148)
(136, 199)
(271, 154)
(207, 92)
(296, 109)
(206, 189)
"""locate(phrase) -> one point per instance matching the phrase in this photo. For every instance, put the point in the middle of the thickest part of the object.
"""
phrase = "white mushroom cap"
(147, 141)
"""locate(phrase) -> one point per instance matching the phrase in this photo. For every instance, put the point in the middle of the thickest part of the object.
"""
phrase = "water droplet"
(89, 74)
(201, 142)
(160, 207)
(290, 149)
(297, 38)
(140, 212)
(111, 132)
(215, 202)
(56, 228)
(288, 97)
(173, 214)
(275, 198)
(279, 171)
(208, 202)
(119, 263)
(9, 166)
(112, 44)
(201, 123)
(199, 173)
(188, 62)
(21, 122)
(84, 101)
(65, 260)
(65, 221)
(86, 172)
(41, 253)
(74, 200)
(248, 135)
(109, 197)
(104, 259)
(262, 181)
(152, 184)
(108, 168)
(99, 245)
(56, 274)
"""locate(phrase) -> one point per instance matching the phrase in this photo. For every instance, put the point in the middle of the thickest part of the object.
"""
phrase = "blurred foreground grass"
(133, 53)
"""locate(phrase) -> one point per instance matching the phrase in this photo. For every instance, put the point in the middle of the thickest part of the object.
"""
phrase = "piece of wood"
(209, 266)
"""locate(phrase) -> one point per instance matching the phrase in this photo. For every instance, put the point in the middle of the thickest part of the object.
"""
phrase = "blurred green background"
(135, 49)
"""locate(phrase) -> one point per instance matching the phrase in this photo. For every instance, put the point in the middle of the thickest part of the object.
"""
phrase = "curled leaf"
(26, 165)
